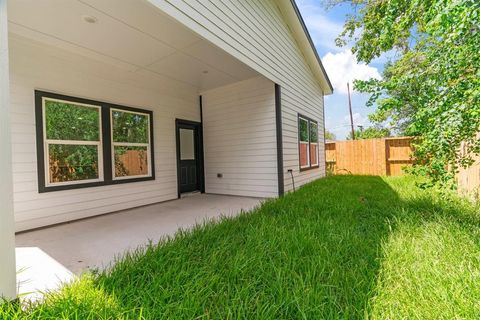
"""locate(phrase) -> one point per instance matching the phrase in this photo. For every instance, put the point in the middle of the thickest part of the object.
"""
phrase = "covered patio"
(209, 128)
(49, 256)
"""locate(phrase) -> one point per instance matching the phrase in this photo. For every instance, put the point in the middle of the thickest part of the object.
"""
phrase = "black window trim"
(310, 167)
(106, 142)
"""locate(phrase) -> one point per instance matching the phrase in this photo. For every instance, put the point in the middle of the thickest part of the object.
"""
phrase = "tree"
(371, 133)
(431, 90)
(330, 135)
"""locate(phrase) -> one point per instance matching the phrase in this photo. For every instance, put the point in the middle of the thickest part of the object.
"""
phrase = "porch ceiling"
(132, 34)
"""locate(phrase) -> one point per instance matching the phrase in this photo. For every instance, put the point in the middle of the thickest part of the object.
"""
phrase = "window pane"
(72, 162)
(303, 154)
(313, 132)
(303, 130)
(70, 121)
(187, 145)
(314, 154)
(129, 127)
(130, 161)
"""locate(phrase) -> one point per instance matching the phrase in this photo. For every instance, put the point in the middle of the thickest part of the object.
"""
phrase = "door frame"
(198, 152)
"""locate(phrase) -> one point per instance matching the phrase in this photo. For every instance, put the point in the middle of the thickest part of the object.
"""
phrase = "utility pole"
(350, 109)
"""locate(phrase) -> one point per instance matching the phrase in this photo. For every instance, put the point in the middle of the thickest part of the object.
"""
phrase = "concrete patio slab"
(57, 253)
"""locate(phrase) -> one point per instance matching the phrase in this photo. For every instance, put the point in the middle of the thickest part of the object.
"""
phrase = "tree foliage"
(431, 90)
(330, 135)
(371, 133)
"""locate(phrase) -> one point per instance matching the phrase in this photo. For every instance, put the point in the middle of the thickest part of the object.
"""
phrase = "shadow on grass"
(323, 252)
(430, 267)
(312, 254)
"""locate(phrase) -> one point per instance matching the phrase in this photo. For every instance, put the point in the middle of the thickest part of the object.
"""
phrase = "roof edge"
(312, 46)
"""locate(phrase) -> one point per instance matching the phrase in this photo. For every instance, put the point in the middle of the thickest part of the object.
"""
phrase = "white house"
(108, 105)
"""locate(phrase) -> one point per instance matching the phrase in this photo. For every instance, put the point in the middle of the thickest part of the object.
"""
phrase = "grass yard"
(344, 247)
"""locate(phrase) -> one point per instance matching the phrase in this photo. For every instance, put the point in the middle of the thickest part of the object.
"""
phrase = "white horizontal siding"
(239, 139)
(38, 66)
(255, 32)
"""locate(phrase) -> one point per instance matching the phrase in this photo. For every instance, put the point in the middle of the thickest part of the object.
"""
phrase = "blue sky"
(324, 26)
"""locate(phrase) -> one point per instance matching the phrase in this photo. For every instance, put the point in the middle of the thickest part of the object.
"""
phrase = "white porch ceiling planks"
(131, 34)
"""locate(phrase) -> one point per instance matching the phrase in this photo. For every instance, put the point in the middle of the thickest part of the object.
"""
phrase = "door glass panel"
(187, 145)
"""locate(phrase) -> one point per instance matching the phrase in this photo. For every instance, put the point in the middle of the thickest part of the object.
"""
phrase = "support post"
(7, 228)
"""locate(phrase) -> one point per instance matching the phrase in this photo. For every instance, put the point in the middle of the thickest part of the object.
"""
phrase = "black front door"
(189, 155)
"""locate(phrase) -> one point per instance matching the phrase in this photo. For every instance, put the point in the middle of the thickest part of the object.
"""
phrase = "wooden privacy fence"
(386, 156)
(469, 179)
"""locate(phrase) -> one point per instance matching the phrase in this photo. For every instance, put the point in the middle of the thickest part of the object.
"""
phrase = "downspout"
(202, 149)
(279, 131)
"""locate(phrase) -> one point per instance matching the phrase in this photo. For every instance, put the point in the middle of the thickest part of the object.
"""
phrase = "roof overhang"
(295, 21)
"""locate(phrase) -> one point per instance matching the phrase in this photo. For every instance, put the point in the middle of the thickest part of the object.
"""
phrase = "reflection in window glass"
(131, 161)
(313, 132)
(72, 162)
(71, 121)
(313, 144)
(72, 141)
(130, 144)
(303, 130)
(130, 127)
(303, 147)
(314, 154)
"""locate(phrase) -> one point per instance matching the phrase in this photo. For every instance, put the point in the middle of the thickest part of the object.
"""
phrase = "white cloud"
(323, 30)
(358, 119)
(342, 67)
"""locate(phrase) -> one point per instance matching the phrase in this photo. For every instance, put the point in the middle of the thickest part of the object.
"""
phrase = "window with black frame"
(307, 143)
(77, 148)
(130, 144)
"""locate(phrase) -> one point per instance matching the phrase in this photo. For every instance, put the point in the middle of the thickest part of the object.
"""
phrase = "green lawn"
(343, 247)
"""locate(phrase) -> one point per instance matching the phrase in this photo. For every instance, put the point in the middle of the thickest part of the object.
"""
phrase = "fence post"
(386, 146)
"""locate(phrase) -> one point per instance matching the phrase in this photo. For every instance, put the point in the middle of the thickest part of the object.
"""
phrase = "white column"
(7, 229)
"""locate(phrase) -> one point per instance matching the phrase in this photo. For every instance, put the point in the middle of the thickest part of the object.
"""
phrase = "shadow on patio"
(54, 254)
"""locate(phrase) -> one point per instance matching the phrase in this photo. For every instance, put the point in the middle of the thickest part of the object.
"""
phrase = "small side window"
(307, 143)
(304, 138)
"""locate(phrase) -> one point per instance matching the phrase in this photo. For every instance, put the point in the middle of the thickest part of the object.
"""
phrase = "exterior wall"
(255, 32)
(39, 66)
(240, 139)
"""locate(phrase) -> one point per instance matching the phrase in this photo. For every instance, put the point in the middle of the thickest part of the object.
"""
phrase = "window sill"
(309, 168)
(92, 184)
